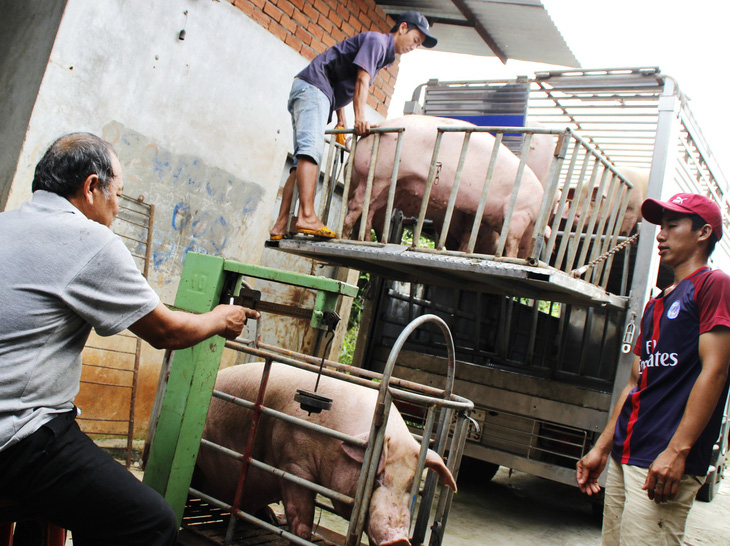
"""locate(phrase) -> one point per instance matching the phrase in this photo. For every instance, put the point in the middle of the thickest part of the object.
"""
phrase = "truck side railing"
(571, 229)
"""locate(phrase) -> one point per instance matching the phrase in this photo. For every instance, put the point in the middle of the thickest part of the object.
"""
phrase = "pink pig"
(313, 456)
(418, 144)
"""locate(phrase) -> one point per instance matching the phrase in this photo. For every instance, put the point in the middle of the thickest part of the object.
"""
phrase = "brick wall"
(312, 26)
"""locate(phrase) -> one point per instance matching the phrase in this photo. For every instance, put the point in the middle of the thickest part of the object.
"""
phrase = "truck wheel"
(476, 471)
(709, 489)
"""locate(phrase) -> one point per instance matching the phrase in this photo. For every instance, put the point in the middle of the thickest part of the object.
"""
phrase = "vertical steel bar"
(529, 354)
(515, 191)
(563, 198)
(548, 199)
(571, 236)
(138, 344)
(427, 432)
(427, 190)
(610, 231)
(454, 192)
(606, 266)
(369, 187)
(446, 497)
(589, 240)
(485, 191)
(346, 188)
(580, 233)
(391, 190)
(327, 179)
(605, 214)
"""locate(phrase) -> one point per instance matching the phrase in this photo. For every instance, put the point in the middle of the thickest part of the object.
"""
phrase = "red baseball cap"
(685, 203)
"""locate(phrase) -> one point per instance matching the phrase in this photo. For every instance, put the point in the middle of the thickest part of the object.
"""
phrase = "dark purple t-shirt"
(668, 349)
(334, 71)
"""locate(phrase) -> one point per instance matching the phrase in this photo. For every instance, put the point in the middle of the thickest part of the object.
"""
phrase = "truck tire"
(717, 471)
(709, 489)
(475, 471)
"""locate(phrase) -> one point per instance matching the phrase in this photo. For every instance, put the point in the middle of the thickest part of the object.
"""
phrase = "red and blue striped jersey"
(668, 348)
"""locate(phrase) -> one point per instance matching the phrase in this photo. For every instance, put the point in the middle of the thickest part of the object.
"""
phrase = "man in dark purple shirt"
(334, 79)
(667, 419)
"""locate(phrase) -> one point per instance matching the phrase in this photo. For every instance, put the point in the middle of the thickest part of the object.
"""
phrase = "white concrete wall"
(200, 125)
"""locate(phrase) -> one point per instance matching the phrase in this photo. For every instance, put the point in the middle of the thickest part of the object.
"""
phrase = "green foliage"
(422, 241)
(547, 307)
(353, 324)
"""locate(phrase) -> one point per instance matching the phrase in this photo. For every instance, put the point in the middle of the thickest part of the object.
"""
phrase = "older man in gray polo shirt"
(63, 272)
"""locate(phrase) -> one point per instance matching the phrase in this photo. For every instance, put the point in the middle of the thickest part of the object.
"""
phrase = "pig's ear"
(358, 453)
(436, 463)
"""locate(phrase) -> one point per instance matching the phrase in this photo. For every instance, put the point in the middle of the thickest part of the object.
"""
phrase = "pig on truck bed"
(312, 456)
(417, 148)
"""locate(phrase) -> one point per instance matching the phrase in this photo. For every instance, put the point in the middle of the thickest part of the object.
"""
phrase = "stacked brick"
(312, 26)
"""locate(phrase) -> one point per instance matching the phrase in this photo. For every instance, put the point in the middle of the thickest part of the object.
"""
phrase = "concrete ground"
(515, 509)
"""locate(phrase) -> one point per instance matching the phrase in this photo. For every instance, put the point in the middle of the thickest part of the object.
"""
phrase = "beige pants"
(631, 519)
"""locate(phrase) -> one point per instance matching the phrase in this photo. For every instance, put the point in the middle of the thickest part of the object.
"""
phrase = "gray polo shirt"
(61, 274)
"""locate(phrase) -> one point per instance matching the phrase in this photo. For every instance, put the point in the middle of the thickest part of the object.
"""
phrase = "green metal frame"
(192, 375)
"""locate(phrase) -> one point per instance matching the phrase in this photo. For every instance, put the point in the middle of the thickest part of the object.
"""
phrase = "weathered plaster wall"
(200, 126)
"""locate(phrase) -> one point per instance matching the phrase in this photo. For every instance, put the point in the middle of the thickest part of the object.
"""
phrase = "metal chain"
(582, 270)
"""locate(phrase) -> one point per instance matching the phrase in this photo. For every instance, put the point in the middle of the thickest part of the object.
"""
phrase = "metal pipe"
(515, 191)
(314, 427)
(237, 513)
(391, 190)
(550, 246)
(454, 191)
(421, 464)
(325, 491)
(346, 188)
(369, 187)
(427, 189)
(249, 447)
(485, 191)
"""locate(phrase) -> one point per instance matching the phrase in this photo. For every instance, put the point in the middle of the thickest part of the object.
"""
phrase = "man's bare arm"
(164, 328)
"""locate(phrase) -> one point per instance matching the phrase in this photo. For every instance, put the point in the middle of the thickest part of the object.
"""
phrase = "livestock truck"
(544, 342)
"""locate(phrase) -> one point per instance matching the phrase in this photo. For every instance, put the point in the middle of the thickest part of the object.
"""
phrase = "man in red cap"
(667, 419)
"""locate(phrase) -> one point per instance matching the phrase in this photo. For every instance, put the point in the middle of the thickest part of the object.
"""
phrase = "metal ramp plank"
(484, 274)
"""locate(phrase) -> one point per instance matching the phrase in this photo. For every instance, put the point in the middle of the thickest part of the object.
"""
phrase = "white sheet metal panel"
(522, 29)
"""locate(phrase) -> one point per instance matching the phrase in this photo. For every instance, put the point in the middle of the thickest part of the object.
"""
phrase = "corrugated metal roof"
(507, 29)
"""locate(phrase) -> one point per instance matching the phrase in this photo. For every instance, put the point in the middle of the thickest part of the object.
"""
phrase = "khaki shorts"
(631, 519)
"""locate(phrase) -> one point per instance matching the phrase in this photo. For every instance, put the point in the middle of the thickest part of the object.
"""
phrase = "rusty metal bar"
(327, 492)
(345, 372)
(294, 539)
(314, 427)
(249, 448)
